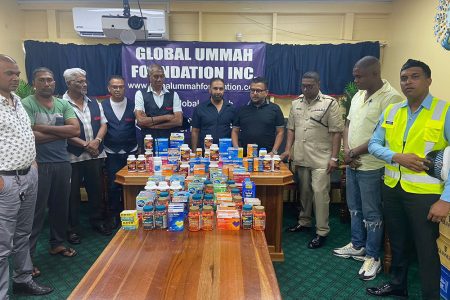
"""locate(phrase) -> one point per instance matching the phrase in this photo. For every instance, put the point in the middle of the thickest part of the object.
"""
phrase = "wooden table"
(182, 265)
(269, 190)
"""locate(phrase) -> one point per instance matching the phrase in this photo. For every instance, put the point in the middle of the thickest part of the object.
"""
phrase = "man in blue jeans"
(120, 141)
(364, 171)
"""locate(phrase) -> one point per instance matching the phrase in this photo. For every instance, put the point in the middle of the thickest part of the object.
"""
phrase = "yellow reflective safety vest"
(426, 134)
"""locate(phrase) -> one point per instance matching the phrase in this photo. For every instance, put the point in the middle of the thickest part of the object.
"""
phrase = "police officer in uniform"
(314, 133)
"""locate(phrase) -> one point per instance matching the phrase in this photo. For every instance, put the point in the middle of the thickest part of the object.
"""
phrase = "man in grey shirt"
(53, 121)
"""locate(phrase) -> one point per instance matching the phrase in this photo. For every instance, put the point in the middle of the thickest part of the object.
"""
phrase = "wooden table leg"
(129, 195)
(272, 199)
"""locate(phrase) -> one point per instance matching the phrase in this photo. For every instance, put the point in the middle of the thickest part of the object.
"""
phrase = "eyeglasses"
(257, 91)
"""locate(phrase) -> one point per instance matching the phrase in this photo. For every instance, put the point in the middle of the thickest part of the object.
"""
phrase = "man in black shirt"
(260, 122)
(214, 117)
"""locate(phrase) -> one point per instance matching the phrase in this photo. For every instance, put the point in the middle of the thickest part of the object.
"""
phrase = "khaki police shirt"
(364, 115)
(313, 124)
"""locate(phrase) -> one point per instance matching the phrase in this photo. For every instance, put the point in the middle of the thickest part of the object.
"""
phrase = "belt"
(15, 172)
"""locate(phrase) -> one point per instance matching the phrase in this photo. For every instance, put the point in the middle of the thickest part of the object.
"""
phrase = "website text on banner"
(189, 66)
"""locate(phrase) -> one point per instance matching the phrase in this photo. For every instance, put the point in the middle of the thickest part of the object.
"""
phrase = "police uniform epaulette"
(328, 97)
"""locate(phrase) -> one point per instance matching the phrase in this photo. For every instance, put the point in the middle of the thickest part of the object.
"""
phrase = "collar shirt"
(313, 124)
(159, 99)
(17, 145)
(84, 116)
(210, 121)
(364, 115)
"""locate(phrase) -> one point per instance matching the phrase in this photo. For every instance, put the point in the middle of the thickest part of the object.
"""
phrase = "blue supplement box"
(176, 217)
(224, 144)
(161, 145)
(445, 281)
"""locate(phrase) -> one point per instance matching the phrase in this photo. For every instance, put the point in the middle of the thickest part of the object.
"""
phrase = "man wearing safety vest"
(414, 203)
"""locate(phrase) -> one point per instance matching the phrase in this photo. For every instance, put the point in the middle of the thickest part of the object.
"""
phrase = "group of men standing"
(382, 136)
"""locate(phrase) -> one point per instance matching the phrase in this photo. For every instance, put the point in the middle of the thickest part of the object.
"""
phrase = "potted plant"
(24, 89)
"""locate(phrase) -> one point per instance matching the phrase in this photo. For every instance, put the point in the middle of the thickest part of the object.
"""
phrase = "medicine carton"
(444, 228)
(224, 144)
(129, 215)
(444, 251)
(176, 217)
(127, 225)
(252, 201)
(228, 218)
(445, 281)
(176, 139)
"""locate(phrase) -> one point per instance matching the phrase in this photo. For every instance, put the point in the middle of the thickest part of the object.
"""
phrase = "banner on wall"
(189, 67)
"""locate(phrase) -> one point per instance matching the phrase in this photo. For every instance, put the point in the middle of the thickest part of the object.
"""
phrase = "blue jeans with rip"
(364, 204)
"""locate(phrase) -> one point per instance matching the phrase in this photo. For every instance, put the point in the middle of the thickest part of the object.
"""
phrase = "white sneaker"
(349, 251)
(370, 268)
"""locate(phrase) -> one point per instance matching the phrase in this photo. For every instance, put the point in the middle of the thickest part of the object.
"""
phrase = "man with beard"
(259, 122)
(53, 121)
(214, 117)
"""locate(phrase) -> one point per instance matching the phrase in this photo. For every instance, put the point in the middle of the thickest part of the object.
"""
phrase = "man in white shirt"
(158, 110)
(18, 186)
(120, 141)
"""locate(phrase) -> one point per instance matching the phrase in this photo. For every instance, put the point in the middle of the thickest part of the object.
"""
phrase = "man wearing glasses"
(314, 127)
(260, 122)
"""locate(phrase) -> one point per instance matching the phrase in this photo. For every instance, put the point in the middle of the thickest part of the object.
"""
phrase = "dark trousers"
(406, 222)
(115, 162)
(89, 172)
(53, 192)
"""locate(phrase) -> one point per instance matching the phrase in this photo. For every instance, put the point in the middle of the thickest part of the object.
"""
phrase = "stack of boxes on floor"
(207, 190)
(444, 252)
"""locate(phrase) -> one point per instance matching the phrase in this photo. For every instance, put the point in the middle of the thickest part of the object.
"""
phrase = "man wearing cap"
(414, 202)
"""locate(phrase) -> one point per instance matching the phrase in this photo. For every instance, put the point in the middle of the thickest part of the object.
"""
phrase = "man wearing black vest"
(120, 141)
(158, 110)
(86, 153)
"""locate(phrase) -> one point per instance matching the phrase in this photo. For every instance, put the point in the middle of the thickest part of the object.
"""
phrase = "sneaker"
(349, 251)
(369, 269)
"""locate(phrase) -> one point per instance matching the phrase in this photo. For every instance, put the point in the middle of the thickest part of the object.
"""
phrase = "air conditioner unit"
(110, 22)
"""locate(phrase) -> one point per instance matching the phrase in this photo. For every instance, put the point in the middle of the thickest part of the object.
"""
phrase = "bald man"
(364, 171)
(158, 111)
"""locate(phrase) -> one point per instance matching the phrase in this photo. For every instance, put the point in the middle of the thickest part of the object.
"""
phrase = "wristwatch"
(275, 152)
(99, 139)
(351, 154)
(334, 159)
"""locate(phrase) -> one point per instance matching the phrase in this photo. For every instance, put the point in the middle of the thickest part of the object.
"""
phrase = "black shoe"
(102, 228)
(115, 222)
(31, 288)
(298, 228)
(317, 242)
(387, 290)
(74, 238)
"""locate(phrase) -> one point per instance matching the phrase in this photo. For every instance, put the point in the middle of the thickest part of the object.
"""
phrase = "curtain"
(99, 62)
(285, 65)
